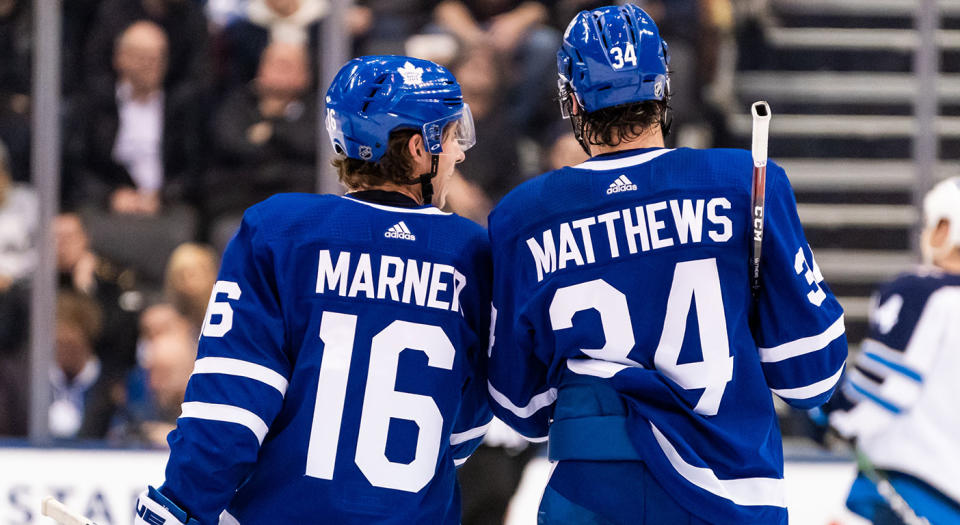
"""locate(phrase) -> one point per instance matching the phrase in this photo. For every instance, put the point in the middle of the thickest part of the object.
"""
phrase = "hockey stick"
(62, 514)
(761, 128)
(893, 498)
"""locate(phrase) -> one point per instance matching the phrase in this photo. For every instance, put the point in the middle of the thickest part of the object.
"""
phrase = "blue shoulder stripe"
(912, 374)
(875, 398)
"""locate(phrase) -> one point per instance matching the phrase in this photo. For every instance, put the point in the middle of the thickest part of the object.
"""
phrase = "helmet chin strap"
(426, 180)
(666, 118)
(576, 121)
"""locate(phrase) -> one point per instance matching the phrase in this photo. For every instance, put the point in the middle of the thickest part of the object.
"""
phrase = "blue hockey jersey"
(899, 397)
(632, 267)
(340, 372)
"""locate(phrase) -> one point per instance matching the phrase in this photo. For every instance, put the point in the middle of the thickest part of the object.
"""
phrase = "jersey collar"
(622, 159)
(387, 198)
(374, 201)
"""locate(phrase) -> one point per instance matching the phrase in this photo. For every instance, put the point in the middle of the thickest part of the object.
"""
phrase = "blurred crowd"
(179, 114)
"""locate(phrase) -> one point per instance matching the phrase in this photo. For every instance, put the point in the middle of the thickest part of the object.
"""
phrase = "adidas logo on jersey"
(400, 231)
(621, 184)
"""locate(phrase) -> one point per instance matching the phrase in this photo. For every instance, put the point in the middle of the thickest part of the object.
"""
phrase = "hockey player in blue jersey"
(898, 400)
(625, 330)
(340, 372)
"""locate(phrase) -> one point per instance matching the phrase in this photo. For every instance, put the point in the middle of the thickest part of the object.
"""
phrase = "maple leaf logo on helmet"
(412, 75)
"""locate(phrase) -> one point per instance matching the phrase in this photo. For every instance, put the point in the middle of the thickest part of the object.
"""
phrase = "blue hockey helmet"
(612, 56)
(372, 96)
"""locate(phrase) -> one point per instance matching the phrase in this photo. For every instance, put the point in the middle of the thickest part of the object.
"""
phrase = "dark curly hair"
(394, 166)
(614, 125)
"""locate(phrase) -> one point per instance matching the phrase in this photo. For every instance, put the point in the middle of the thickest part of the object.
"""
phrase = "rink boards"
(104, 484)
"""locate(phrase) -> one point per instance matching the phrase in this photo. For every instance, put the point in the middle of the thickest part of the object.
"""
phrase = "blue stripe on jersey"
(804, 345)
(804, 369)
(896, 367)
(226, 414)
(812, 395)
(240, 368)
(462, 444)
(248, 394)
(875, 398)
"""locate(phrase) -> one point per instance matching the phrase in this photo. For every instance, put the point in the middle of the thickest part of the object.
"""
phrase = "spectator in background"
(290, 21)
(16, 47)
(190, 276)
(182, 20)
(516, 30)
(138, 144)
(82, 271)
(15, 82)
(159, 319)
(18, 255)
(79, 17)
(696, 31)
(265, 139)
(76, 377)
(168, 362)
(389, 24)
(18, 229)
(267, 21)
(494, 165)
(563, 11)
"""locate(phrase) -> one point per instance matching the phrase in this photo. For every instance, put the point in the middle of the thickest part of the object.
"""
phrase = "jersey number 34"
(696, 281)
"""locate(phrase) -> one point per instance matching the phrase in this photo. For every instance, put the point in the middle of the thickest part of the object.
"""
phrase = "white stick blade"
(60, 513)
(761, 131)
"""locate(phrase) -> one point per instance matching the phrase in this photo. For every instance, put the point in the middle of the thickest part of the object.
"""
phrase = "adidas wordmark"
(400, 231)
(621, 184)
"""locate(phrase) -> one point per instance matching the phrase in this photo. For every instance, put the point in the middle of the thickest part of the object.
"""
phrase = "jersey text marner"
(423, 283)
(648, 223)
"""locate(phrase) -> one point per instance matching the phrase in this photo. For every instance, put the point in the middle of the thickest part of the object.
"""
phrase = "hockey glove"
(154, 508)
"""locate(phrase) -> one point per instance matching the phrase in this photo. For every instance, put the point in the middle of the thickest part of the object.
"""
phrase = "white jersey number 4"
(692, 281)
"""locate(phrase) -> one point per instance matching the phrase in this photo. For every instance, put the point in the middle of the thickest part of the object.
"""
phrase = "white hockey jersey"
(902, 392)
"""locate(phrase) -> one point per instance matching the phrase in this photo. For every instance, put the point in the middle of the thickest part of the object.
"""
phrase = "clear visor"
(461, 126)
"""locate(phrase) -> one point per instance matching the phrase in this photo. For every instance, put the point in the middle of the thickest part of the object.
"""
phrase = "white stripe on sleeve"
(742, 491)
(803, 345)
(473, 433)
(814, 390)
(461, 461)
(236, 367)
(227, 414)
(536, 403)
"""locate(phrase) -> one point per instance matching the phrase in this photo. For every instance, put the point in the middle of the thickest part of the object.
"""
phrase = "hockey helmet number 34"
(374, 95)
(612, 56)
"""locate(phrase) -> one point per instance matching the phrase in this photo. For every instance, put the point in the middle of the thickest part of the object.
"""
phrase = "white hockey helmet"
(943, 203)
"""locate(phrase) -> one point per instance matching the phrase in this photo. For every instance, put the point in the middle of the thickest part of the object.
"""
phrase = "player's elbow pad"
(154, 508)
